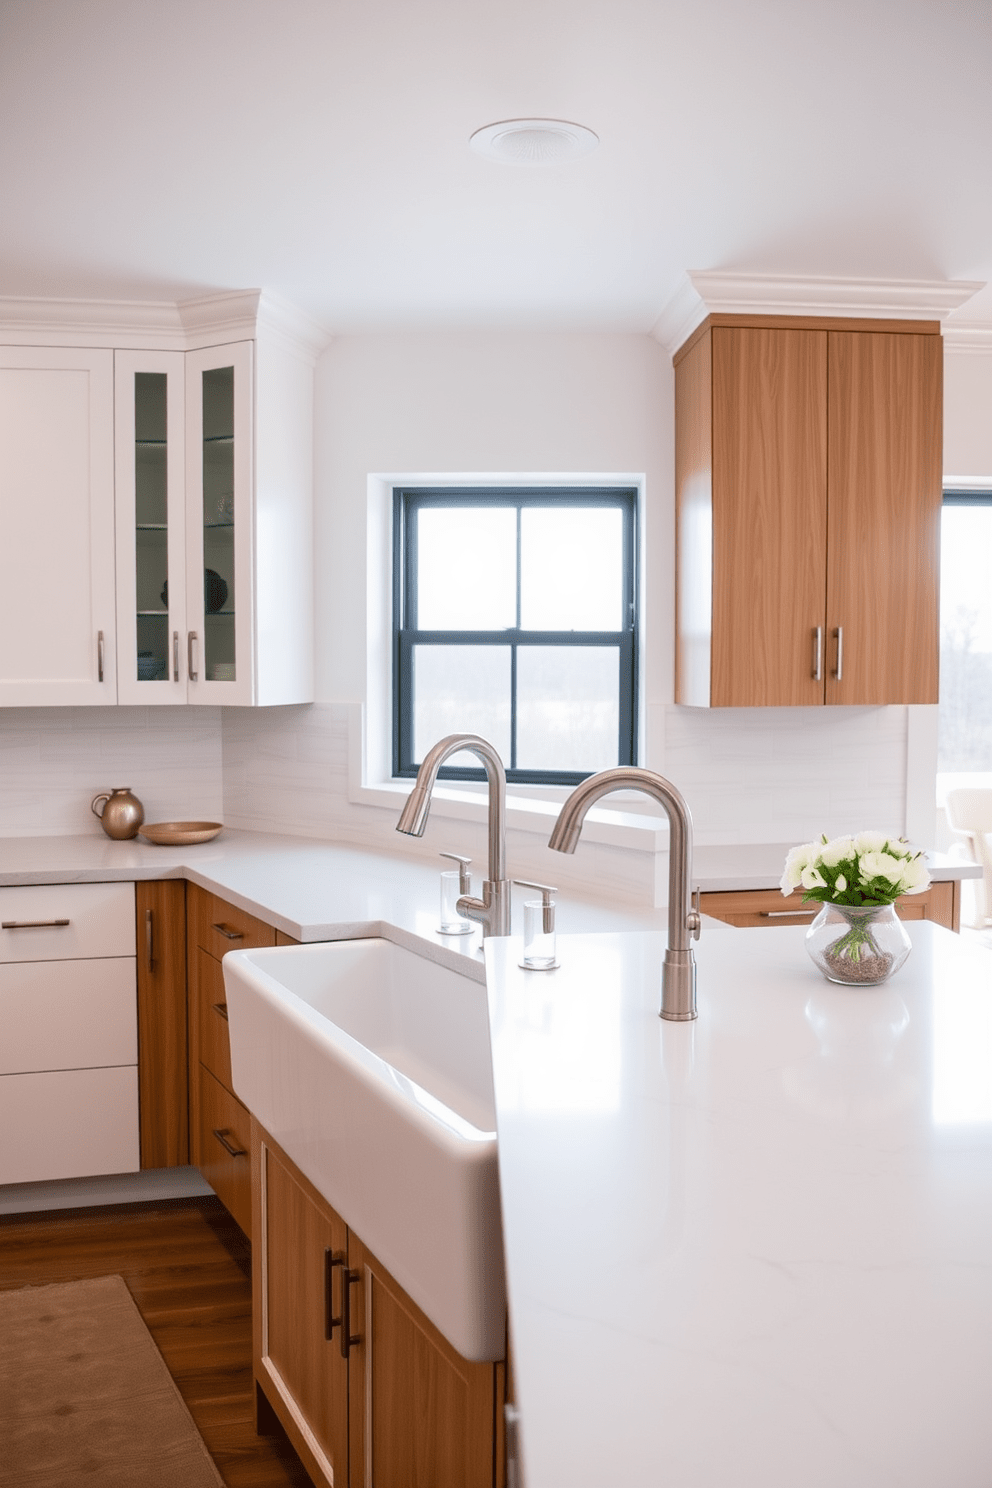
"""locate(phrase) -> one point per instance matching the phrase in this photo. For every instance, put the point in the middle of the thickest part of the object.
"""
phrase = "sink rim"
(406, 1095)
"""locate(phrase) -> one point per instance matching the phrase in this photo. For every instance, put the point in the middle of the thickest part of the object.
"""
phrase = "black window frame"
(408, 501)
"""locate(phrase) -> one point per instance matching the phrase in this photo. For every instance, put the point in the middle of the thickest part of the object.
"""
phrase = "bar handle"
(348, 1279)
(229, 932)
(839, 638)
(233, 1151)
(99, 655)
(175, 656)
(31, 924)
(150, 939)
(190, 666)
(787, 914)
(818, 653)
(221, 1009)
(332, 1258)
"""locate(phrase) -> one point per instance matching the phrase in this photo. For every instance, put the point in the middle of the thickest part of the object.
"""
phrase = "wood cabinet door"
(885, 416)
(163, 1079)
(769, 514)
(421, 1415)
(298, 1279)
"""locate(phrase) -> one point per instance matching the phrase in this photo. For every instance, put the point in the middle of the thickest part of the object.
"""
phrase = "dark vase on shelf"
(214, 592)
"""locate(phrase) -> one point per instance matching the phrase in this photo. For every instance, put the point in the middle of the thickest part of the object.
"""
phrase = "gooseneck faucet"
(678, 977)
(492, 911)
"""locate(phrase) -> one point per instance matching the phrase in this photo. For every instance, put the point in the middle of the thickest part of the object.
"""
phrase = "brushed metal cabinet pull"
(229, 932)
(150, 938)
(175, 656)
(99, 655)
(221, 1136)
(787, 914)
(221, 1008)
(839, 638)
(348, 1279)
(818, 653)
(32, 924)
(190, 667)
(332, 1258)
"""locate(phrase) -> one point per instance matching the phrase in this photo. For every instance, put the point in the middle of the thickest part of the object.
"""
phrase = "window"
(515, 617)
(965, 713)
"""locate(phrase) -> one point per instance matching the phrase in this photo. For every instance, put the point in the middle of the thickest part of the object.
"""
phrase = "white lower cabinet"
(68, 1032)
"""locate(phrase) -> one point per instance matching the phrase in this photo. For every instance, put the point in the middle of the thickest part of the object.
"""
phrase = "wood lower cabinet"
(220, 1127)
(163, 1052)
(808, 489)
(941, 902)
(368, 1390)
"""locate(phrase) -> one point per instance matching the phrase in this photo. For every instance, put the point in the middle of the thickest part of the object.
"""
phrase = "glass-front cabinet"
(183, 441)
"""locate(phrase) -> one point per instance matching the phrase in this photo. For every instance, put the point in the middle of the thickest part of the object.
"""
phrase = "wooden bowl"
(180, 834)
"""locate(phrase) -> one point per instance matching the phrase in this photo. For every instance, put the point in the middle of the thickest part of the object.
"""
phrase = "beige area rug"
(85, 1397)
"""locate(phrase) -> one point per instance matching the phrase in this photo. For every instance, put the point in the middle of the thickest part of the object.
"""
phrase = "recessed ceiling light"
(533, 141)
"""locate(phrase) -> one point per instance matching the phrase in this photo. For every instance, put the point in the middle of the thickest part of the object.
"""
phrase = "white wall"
(968, 410)
(527, 403)
(53, 761)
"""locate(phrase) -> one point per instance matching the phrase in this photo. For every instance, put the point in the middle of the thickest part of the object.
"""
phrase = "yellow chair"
(970, 813)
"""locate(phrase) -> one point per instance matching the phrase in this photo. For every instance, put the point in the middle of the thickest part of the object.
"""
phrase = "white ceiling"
(160, 149)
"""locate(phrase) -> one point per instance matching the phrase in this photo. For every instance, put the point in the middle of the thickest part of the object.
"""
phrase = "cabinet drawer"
(770, 907)
(222, 1150)
(67, 1015)
(218, 927)
(68, 1124)
(100, 921)
(211, 1015)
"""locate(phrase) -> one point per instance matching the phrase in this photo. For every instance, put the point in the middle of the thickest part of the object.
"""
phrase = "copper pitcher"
(121, 814)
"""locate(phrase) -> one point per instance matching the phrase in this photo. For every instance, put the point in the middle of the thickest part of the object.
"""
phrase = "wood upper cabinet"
(808, 476)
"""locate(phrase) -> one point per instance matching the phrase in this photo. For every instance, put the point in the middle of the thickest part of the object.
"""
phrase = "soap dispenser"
(540, 950)
(455, 882)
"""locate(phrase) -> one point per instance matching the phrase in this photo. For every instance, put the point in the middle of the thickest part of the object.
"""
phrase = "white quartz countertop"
(310, 889)
(754, 1251)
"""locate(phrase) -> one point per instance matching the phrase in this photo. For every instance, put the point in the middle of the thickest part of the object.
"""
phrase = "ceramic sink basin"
(370, 1065)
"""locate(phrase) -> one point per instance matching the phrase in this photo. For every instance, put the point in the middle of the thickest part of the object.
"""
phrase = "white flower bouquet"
(856, 880)
(860, 872)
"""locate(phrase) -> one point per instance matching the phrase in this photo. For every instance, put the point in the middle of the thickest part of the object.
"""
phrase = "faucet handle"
(464, 877)
(548, 909)
(694, 919)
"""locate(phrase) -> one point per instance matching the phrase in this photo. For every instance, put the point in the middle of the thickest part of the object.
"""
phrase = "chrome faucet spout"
(678, 994)
(492, 911)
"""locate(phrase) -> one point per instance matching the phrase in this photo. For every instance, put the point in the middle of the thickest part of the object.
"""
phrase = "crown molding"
(710, 292)
(975, 335)
(161, 325)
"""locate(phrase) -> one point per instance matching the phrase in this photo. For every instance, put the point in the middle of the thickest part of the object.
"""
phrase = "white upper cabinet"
(57, 608)
(157, 504)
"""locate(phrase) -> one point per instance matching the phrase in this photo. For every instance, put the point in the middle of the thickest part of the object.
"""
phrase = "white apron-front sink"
(371, 1067)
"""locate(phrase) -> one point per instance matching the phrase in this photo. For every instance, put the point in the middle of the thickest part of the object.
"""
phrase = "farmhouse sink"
(370, 1066)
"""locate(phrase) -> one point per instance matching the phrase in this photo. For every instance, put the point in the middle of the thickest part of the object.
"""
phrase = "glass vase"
(858, 947)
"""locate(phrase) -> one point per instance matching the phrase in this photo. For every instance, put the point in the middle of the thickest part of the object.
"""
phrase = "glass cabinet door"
(151, 606)
(219, 514)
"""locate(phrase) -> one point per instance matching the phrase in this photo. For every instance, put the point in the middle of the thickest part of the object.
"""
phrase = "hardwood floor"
(188, 1268)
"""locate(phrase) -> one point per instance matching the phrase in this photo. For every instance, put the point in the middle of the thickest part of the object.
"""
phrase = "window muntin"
(515, 618)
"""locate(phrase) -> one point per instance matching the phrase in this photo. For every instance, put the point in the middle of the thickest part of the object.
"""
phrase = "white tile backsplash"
(53, 761)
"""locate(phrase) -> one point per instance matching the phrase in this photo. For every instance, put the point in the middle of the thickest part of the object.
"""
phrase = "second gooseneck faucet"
(678, 977)
(492, 911)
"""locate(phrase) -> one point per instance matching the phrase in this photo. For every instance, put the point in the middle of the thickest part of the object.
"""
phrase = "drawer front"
(218, 927)
(62, 1015)
(222, 1150)
(215, 1042)
(771, 907)
(68, 1124)
(100, 921)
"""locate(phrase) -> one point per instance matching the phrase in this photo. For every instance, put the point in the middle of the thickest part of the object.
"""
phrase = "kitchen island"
(751, 1251)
